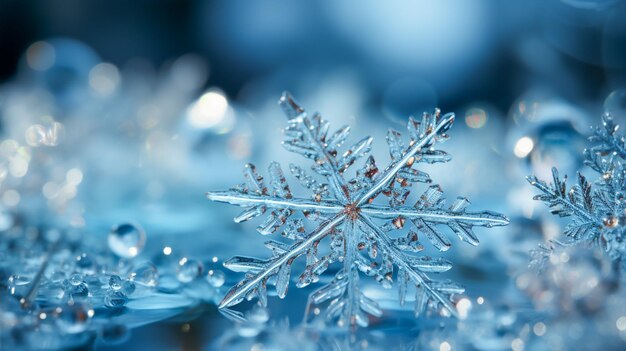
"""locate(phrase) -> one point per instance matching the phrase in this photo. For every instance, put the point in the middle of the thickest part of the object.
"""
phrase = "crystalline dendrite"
(598, 215)
(362, 234)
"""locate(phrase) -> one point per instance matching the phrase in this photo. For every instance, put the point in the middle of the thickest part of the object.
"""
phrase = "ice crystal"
(362, 235)
(598, 214)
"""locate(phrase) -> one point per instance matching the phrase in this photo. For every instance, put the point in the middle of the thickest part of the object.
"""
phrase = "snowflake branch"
(390, 172)
(239, 291)
(296, 113)
(418, 277)
(557, 195)
(251, 200)
(484, 218)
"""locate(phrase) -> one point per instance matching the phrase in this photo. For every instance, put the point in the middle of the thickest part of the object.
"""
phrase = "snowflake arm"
(344, 212)
(279, 264)
(598, 215)
(426, 137)
(414, 273)
(577, 203)
(605, 139)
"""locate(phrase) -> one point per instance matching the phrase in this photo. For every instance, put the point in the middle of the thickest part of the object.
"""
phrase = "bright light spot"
(11, 198)
(517, 344)
(523, 147)
(74, 176)
(463, 307)
(539, 329)
(621, 323)
(104, 78)
(214, 259)
(316, 311)
(18, 166)
(132, 251)
(43, 315)
(475, 118)
(91, 313)
(182, 261)
(522, 281)
(167, 251)
(445, 346)
(50, 190)
(208, 111)
(40, 56)
(35, 135)
(480, 300)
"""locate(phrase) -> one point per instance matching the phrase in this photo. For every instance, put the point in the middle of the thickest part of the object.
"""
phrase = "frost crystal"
(598, 215)
(362, 235)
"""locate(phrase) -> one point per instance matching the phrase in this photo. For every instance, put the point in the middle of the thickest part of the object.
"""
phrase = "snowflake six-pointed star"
(598, 215)
(345, 212)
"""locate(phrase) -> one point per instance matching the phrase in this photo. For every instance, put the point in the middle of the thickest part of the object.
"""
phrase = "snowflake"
(598, 215)
(344, 212)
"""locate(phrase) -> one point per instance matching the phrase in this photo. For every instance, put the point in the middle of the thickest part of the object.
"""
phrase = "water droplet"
(115, 282)
(188, 270)
(76, 288)
(115, 299)
(127, 240)
(615, 104)
(73, 318)
(216, 278)
(76, 279)
(146, 274)
(85, 263)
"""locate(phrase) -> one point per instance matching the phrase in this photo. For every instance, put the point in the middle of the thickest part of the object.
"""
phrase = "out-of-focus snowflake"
(598, 214)
(362, 234)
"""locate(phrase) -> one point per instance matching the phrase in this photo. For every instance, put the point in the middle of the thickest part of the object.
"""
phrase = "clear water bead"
(188, 270)
(75, 279)
(115, 299)
(127, 240)
(73, 318)
(216, 278)
(85, 263)
(145, 274)
(115, 282)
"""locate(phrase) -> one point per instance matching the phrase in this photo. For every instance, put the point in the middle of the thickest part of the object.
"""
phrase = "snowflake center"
(352, 211)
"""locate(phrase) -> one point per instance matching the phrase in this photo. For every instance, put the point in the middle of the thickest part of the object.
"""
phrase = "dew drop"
(79, 291)
(127, 240)
(75, 279)
(115, 282)
(216, 278)
(145, 274)
(115, 299)
(188, 270)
